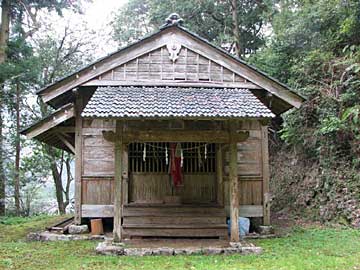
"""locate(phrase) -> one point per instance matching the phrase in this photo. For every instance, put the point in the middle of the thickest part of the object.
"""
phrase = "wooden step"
(173, 211)
(174, 220)
(175, 232)
(176, 226)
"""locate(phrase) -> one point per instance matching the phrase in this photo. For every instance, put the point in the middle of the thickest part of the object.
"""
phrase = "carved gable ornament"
(173, 48)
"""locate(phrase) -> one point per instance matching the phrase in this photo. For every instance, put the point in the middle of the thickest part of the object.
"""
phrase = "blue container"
(244, 226)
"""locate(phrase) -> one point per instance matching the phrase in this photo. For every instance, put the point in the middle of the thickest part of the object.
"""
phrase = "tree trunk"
(17, 153)
(236, 30)
(57, 173)
(69, 179)
(4, 38)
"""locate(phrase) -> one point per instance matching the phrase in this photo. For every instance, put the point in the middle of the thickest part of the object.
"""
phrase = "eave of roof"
(174, 102)
(37, 124)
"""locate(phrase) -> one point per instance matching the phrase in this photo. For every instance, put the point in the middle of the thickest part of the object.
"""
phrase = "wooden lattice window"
(195, 158)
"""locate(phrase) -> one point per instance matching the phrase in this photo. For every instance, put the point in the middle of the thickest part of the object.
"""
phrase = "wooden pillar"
(219, 175)
(266, 175)
(118, 182)
(125, 174)
(78, 157)
(234, 185)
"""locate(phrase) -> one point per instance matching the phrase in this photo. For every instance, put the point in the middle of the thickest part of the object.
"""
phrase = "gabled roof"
(159, 38)
(172, 102)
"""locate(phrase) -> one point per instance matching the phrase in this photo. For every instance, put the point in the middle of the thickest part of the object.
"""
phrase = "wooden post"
(125, 174)
(219, 175)
(118, 182)
(234, 185)
(78, 157)
(266, 174)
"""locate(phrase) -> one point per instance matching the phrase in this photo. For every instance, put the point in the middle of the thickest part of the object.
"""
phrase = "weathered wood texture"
(157, 66)
(100, 210)
(98, 169)
(250, 173)
(219, 174)
(234, 185)
(78, 158)
(266, 174)
(97, 190)
(203, 71)
(98, 154)
(184, 221)
(118, 183)
(153, 188)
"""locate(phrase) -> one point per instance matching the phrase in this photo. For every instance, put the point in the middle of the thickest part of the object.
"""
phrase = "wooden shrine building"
(171, 96)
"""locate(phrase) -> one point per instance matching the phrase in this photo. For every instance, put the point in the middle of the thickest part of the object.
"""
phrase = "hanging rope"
(188, 148)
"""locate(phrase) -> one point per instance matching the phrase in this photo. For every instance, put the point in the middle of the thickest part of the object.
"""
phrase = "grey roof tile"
(182, 102)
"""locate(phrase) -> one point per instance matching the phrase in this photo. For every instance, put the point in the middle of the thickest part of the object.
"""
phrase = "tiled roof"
(182, 102)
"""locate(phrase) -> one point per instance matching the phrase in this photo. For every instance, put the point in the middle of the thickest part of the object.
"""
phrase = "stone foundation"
(108, 248)
(48, 236)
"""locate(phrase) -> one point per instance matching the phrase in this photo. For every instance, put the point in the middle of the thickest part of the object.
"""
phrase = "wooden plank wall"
(156, 65)
(249, 167)
(98, 163)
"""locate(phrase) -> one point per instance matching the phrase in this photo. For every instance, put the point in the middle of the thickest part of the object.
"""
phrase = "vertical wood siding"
(156, 65)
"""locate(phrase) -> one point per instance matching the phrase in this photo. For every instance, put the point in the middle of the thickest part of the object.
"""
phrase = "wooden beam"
(266, 175)
(66, 129)
(107, 210)
(118, 182)
(247, 85)
(215, 136)
(66, 142)
(251, 210)
(78, 157)
(219, 175)
(97, 211)
(234, 185)
(58, 117)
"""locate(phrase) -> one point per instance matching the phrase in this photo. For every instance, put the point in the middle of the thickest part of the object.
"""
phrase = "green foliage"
(209, 19)
(315, 49)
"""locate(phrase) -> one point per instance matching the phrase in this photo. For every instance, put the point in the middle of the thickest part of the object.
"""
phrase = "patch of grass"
(16, 228)
(305, 249)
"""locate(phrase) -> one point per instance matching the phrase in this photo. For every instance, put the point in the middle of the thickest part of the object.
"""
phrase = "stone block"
(212, 251)
(266, 230)
(78, 229)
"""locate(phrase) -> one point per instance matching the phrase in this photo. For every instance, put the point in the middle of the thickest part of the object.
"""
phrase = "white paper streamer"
(182, 158)
(205, 151)
(144, 153)
(166, 155)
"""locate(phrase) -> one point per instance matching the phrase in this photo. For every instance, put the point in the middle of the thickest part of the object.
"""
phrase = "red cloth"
(175, 164)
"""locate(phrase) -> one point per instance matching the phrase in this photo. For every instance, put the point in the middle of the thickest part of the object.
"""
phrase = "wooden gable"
(157, 66)
(194, 62)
